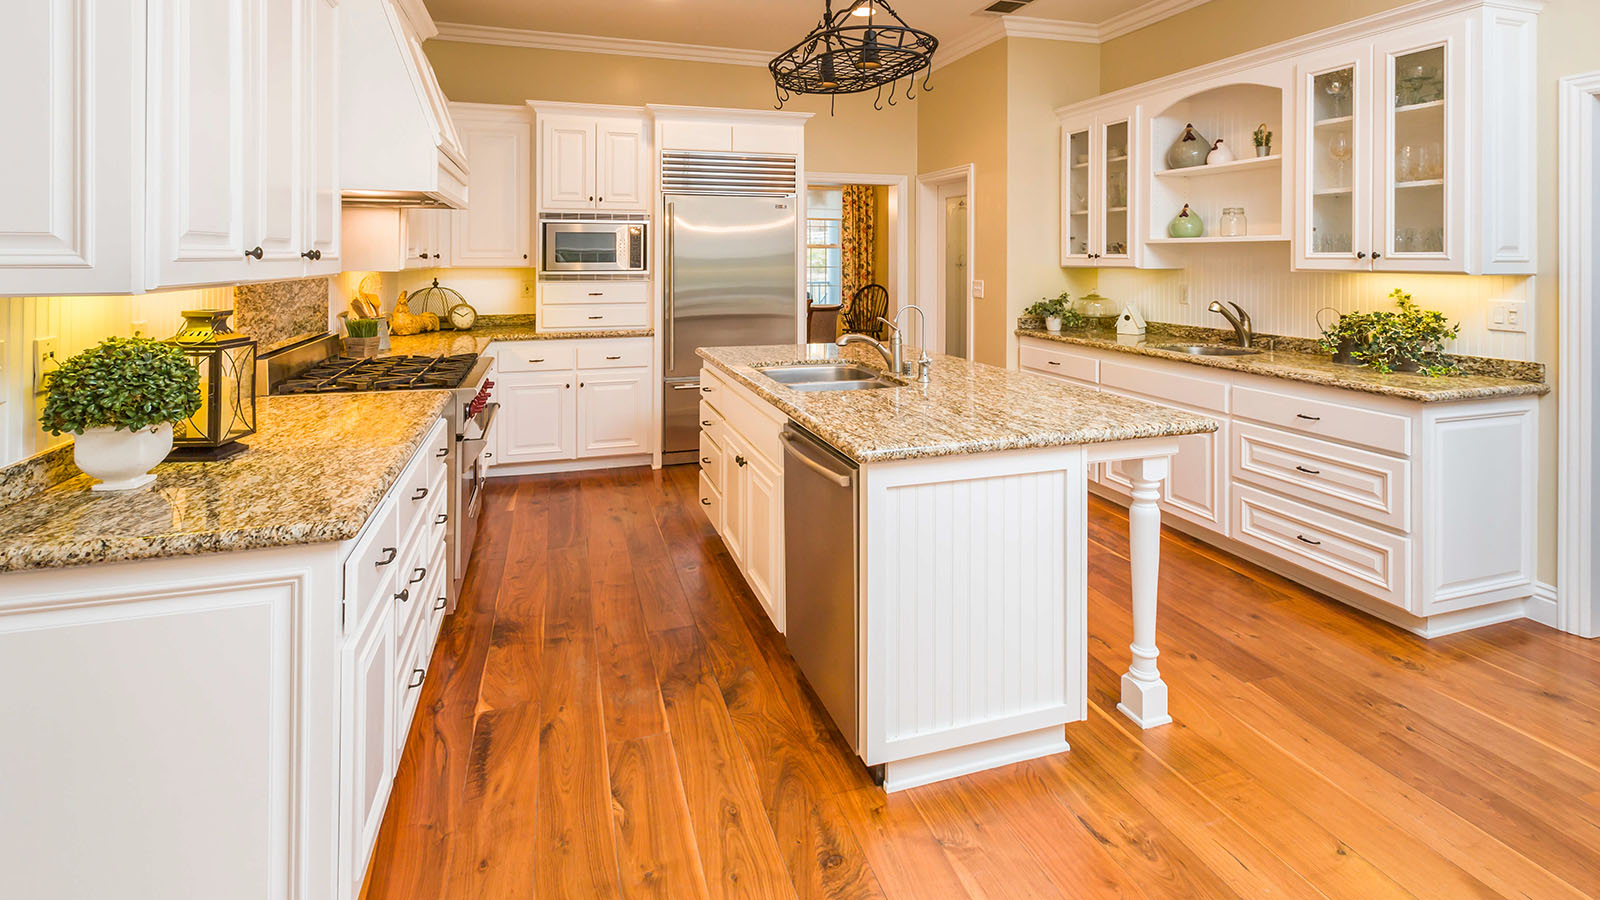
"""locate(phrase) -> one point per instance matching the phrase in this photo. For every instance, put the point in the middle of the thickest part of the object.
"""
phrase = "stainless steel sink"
(1206, 349)
(828, 377)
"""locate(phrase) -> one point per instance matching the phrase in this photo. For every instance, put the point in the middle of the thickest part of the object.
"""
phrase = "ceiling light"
(864, 9)
(839, 57)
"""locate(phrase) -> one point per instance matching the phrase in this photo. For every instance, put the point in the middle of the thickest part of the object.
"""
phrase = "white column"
(1144, 694)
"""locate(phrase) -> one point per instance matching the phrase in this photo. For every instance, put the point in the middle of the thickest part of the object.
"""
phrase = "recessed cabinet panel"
(623, 165)
(567, 174)
(278, 151)
(494, 228)
(323, 216)
(541, 418)
(367, 702)
(1075, 196)
(614, 412)
(1334, 214)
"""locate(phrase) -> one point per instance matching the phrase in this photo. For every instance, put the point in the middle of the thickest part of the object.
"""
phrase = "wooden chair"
(861, 312)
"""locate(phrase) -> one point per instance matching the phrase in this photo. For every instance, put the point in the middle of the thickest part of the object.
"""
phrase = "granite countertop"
(1293, 359)
(966, 407)
(316, 469)
(495, 328)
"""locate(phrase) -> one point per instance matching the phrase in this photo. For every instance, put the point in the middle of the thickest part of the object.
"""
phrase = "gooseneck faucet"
(1241, 322)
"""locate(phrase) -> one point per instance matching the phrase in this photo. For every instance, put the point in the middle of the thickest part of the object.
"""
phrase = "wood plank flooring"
(609, 715)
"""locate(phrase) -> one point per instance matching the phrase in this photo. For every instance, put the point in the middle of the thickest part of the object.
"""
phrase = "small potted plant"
(1057, 313)
(1263, 140)
(1348, 338)
(119, 401)
(1410, 339)
(361, 336)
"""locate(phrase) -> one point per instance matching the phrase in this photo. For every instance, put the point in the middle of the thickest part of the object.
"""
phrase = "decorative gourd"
(1220, 153)
(1190, 149)
(1186, 224)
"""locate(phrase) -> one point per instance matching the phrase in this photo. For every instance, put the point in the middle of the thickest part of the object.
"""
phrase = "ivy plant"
(1411, 336)
(124, 383)
(1058, 306)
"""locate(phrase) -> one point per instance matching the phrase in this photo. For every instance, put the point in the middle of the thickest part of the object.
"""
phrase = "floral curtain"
(856, 231)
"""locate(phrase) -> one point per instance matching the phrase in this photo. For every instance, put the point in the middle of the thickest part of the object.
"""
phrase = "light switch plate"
(977, 289)
(1508, 315)
(527, 290)
(44, 360)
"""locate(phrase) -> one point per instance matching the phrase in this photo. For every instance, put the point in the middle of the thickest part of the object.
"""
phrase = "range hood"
(397, 145)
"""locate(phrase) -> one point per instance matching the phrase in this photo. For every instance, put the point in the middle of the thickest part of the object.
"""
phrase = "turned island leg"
(1144, 694)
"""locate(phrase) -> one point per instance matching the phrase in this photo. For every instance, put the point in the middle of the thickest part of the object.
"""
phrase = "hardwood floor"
(610, 715)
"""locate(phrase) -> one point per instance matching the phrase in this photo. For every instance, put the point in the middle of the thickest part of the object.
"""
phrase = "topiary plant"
(124, 383)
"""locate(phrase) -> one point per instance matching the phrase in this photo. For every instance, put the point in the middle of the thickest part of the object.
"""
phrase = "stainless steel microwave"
(620, 245)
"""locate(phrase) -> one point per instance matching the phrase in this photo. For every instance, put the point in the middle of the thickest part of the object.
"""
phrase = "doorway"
(945, 251)
(881, 250)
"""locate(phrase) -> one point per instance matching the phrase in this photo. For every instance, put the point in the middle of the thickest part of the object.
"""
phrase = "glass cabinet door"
(1075, 195)
(1335, 153)
(1418, 215)
(1114, 203)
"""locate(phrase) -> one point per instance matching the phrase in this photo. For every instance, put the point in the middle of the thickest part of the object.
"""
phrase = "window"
(824, 262)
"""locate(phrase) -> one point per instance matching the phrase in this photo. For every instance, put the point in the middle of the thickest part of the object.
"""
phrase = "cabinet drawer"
(1166, 386)
(1353, 482)
(411, 667)
(1057, 362)
(711, 502)
(711, 461)
(535, 356)
(711, 423)
(559, 293)
(411, 586)
(1364, 427)
(608, 315)
(371, 565)
(614, 354)
(436, 597)
(415, 497)
(1369, 560)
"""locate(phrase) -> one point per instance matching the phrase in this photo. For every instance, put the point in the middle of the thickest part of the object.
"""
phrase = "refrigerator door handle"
(671, 284)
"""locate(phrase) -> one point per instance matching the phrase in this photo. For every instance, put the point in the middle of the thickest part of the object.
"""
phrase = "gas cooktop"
(345, 374)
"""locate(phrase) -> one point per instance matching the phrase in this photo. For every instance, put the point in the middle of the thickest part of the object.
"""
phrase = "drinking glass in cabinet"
(1340, 150)
(1418, 79)
(1333, 94)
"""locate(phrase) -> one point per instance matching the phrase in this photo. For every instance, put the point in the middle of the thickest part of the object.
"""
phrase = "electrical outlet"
(527, 290)
(1183, 294)
(44, 360)
(1508, 315)
(977, 289)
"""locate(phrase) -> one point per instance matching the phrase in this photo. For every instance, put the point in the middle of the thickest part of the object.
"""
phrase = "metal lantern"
(227, 364)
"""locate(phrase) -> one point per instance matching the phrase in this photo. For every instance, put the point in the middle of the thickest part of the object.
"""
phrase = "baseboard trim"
(1543, 607)
(508, 470)
(901, 774)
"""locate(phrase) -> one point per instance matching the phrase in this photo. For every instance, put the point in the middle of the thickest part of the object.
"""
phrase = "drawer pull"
(593, 318)
(1308, 471)
(706, 422)
(441, 518)
(705, 501)
(1302, 537)
(1308, 418)
(706, 460)
(420, 494)
(387, 559)
(1052, 362)
(706, 389)
(443, 602)
(613, 357)
(417, 574)
(404, 596)
(597, 293)
(416, 678)
(443, 452)
(535, 361)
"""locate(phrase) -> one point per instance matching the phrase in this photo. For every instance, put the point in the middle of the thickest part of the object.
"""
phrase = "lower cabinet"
(368, 759)
(741, 488)
(562, 401)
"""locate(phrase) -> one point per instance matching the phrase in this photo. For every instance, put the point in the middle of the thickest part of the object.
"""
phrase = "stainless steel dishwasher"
(820, 536)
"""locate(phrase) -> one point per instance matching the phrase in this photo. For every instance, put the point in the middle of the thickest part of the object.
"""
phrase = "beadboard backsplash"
(1280, 301)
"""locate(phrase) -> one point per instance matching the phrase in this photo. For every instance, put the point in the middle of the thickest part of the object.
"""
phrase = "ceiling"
(772, 25)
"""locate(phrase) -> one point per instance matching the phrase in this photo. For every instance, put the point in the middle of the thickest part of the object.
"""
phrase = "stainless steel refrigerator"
(732, 278)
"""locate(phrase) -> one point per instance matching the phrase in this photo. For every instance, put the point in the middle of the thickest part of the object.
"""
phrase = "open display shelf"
(1239, 165)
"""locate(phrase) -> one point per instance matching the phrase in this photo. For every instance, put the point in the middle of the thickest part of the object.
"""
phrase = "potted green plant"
(1263, 140)
(1057, 313)
(1410, 339)
(119, 401)
(361, 336)
(1348, 338)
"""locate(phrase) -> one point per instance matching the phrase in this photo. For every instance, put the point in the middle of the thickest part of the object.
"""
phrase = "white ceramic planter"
(122, 460)
(1052, 324)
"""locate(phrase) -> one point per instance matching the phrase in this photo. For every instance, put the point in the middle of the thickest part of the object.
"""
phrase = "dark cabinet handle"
(524, 256)
(443, 602)
(613, 357)
(1052, 362)
(1302, 537)
(1361, 255)
(387, 559)
(580, 384)
(1376, 255)
(593, 318)
(706, 389)
(1308, 418)
(591, 199)
(567, 386)
(422, 255)
(706, 422)
(741, 461)
(704, 501)
(420, 494)
(597, 293)
(1308, 471)
(706, 460)
(436, 256)
(416, 678)
(404, 595)
(257, 253)
(417, 574)
(443, 452)
(441, 519)
(312, 255)
(535, 361)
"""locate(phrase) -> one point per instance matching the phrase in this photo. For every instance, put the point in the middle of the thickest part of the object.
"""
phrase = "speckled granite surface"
(37, 473)
(315, 471)
(966, 407)
(276, 312)
(1293, 359)
(496, 328)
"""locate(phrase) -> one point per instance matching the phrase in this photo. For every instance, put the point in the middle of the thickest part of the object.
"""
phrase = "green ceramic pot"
(1186, 224)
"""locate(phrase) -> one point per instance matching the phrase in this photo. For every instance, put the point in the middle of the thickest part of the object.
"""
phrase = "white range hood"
(397, 145)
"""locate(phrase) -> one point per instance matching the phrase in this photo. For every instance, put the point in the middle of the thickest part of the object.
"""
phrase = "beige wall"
(961, 121)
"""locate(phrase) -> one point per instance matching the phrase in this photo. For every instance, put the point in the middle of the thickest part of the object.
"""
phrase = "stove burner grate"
(346, 374)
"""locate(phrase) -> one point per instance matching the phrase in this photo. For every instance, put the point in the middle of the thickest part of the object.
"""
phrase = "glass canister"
(1232, 223)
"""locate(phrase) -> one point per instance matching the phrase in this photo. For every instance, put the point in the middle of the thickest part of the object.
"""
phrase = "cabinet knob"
(1376, 255)
(741, 461)
(436, 256)
(1361, 255)
(591, 199)
(257, 253)
(404, 595)
(567, 386)
(312, 255)
(423, 255)
(524, 256)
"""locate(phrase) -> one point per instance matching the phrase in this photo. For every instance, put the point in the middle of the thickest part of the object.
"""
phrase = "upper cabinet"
(1098, 189)
(592, 160)
(495, 227)
(221, 170)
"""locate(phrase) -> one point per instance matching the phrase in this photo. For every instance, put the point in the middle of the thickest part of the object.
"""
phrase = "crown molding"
(586, 43)
(1140, 16)
(970, 41)
(1050, 29)
(417, 14)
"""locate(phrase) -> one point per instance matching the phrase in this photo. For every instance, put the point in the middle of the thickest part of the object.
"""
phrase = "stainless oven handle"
(493, 409)
(670, 264)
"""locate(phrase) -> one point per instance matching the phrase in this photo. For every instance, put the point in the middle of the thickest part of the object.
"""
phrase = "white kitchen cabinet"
(1099, 188)
(763, 516)
(426, 234)
(614, 412)
(1409, 160)
(368, 757)
(495, 227)
(591, 158)
(323, 214)
(538, 417)
(735, 530)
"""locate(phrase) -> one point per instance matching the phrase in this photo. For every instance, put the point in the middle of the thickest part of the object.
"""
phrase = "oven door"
(594, 246)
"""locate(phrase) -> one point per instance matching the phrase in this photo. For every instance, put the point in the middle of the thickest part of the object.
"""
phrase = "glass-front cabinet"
(1334, 209)
(1097, 183)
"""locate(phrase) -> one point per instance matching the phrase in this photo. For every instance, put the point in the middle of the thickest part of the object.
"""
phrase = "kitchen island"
(970, 577)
